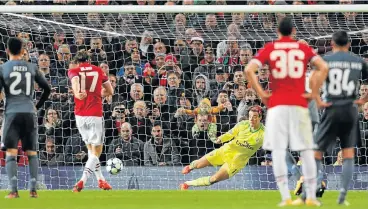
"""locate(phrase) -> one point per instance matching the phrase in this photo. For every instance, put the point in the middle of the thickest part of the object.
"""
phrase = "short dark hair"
(341, 38)
(286, 26)
(82, 56)
(15, 46)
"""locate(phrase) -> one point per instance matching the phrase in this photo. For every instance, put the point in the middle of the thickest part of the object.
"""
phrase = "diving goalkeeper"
(247, 139)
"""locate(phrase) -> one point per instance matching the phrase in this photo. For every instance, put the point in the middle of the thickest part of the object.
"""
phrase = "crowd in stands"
(160, 80)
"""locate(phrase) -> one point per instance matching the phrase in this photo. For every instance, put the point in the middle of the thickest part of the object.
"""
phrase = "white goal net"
(168, 61)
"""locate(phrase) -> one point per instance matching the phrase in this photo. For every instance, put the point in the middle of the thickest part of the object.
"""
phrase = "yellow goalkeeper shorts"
(233, 161)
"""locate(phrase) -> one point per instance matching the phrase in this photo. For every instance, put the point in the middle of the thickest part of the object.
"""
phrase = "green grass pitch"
(128, 199)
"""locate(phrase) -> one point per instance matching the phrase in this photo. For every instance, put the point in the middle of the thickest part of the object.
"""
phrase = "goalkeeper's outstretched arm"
(229, 135)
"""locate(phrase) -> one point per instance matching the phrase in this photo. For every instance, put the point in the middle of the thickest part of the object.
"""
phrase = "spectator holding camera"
(96, 53)
(53, 126)
(113, 124)
(126, 147)
(160, 150)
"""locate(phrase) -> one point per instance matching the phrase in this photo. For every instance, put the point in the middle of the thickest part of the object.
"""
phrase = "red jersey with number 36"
(288, 61)
(91, 79)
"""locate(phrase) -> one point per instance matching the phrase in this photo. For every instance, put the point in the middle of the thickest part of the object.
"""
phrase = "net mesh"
(136, 50)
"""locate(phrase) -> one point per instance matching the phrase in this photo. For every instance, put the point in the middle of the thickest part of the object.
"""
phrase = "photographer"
(113, 124)
(96, 52)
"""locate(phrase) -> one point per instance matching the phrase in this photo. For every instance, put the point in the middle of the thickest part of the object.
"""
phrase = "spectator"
(79, 41)
(249, 100)
(52, 126)
(339, 160)
(49, 157)
(111, 101)
(127, 147)
(231, 56)
(141, 125)
(178, 27)
(52, 49)
(201, 144)
(196, 54)
(146, 45)
(174, 88)
(113, 124)
(238, 96)
(160, 150)
(60, 66)
(75, 151)
(129, 78)
(226, 119)
(136, 93)
(201, 89)
(96, 53)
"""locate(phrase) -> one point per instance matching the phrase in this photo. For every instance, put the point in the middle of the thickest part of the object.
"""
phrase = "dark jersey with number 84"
(342, 83)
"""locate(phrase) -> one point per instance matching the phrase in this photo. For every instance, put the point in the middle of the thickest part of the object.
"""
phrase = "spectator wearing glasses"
(196, 54)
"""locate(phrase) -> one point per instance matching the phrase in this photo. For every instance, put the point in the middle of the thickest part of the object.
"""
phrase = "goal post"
(196, 38)
(185, 8)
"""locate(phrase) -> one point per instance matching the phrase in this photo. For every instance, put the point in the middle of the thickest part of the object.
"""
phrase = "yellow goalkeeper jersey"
(245, 140)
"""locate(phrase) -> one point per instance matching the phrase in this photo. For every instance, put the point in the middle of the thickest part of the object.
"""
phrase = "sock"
(33, 171)
(319, 172)
(292, 167)
(203, 181)
(89, 168)
(98, 172)
(347, 174)
(280, 171)
(193, 165)
(310, 173)
(11, 170)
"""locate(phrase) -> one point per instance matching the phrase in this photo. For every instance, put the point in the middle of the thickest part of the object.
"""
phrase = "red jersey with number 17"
(288, 61)
(91, 79)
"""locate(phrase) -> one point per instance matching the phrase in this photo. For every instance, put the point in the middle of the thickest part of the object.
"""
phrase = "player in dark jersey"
(340, 116)
(17, 77)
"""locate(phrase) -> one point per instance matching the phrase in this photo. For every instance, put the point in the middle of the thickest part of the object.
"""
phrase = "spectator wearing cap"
(222, 76)
(196, 54)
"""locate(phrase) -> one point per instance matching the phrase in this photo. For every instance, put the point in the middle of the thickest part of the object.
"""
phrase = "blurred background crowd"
(162, 66)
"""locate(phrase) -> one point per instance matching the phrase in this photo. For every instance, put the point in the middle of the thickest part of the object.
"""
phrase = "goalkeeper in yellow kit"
(232, 157)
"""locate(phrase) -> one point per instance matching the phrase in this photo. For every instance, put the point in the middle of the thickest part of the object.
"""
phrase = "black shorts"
(338, 122)
(20, 126)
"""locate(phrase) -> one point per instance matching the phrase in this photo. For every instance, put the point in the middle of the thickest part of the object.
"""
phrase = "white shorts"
(288, 126)
(91, 129)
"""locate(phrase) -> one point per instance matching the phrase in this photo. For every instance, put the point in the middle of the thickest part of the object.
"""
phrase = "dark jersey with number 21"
(17, 77)
(345, 71)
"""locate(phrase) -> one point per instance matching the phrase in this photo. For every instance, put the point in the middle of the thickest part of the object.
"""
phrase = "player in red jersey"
(87, 82)
(288, 122)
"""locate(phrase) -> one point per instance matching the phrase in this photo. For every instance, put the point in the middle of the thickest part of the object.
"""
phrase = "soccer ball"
(114, 166)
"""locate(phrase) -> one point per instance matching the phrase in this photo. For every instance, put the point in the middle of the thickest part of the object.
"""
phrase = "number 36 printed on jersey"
(289, 63)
